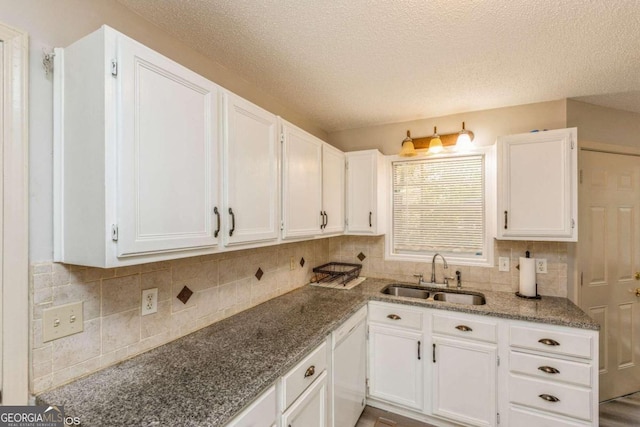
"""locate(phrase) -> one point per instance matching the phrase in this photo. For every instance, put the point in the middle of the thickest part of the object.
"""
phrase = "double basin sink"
(419, 292)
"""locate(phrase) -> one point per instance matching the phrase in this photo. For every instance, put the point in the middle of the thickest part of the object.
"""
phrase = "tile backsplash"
(222, 284)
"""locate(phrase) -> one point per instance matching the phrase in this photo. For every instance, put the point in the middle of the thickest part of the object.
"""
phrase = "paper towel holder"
(518, 294)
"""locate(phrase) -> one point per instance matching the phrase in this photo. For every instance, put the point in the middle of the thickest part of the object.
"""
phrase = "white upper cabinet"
(251, 182)
(302, 183)
(366, 192)
(136, 154)
(537, 186)
(333, 188)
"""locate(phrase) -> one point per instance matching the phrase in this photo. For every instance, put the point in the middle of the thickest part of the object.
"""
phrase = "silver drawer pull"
(310, 371)
(549, 398)
(464, 328)
(548, 370)
(548, 341)
(394, 317)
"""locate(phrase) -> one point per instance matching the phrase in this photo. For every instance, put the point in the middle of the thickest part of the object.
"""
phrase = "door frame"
(14, 216)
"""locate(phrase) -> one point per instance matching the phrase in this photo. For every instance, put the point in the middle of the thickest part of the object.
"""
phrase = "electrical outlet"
(149, 301)
(503, 263)
(61, 321)
(292, 264)
(541, 265)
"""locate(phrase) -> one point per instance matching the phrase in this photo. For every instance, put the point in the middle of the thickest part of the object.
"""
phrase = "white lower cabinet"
(261, 413)
(464, 351)
(396, 355)
(480, 370)
(310, 409)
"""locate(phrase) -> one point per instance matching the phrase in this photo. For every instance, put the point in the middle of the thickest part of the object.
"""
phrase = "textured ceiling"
(353, 63)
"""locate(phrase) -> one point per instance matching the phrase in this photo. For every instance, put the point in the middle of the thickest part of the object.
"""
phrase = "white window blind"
(438, 206)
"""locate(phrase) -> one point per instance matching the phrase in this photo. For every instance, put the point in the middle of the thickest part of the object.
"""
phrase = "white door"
(464, 381)
(251, 156)
(361, 178)
(310, 409)
(333, 188)
(167, 159)
(396, 366)
(301, 183)
(609, 248)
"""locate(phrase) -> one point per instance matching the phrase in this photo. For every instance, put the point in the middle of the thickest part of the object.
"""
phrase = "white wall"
(604, 125)
(487, 125)
(58, 24)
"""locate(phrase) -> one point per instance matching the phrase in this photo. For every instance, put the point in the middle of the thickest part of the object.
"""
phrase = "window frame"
(490, 190)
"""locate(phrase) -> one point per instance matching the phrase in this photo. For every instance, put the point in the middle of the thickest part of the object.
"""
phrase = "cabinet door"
(302, 183)
(167, 154)
(538, 186)
(396, 366)
(333, 187)
(464, 381)
(361, 179)
(251, 153)
(310, 409)
(261, 413)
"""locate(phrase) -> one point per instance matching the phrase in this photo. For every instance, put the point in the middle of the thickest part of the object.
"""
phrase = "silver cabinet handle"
(548, 341)
(217, 214)
(549, 398)
(418, 350)
(370, 224)
(394, 317)
(505, 219)
(322, 220)
(464, 328)
(310, 371)
(548, 370)
(434, 353)
(233, 222)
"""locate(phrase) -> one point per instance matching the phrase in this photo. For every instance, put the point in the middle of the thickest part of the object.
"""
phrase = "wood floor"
(621, 412)
(374, 417)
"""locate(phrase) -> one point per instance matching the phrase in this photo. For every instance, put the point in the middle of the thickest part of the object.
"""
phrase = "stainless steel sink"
(401, 290)
(406, 291)
(460, 298)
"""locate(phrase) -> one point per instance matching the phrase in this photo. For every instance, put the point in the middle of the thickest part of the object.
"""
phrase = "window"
(440, 206)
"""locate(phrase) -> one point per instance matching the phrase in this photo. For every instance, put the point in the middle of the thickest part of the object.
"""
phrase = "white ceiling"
(354, 63)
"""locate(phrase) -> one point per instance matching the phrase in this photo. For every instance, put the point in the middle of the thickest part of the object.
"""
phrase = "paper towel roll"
(528, 277)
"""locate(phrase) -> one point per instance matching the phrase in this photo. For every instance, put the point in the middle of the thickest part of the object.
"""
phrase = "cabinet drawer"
(303, 374)
(550, 369)
(570, 344)
(465, 327)
(523, 418)
(395, 315)
(571, 401)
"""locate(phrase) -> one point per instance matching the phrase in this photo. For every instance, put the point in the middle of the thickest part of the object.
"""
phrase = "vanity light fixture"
(464, 139)
(408, 150)
(435, 145)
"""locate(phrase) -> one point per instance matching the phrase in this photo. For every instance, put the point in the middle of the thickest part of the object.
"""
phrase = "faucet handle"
(418, 275)
(420, 279)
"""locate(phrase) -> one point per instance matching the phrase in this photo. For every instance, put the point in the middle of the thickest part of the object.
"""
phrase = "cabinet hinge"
(114, 68)
(282, 138)
(498, 360)
(281, 225)
(367, 385)
(346, 221)
(573, 223)
(572, 143)
(498, 416)
(580, 176)
(114, 232)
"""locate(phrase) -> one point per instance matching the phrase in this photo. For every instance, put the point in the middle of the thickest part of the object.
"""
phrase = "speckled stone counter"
(207, 377)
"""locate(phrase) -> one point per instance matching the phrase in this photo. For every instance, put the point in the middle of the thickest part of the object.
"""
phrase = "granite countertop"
(205, 378)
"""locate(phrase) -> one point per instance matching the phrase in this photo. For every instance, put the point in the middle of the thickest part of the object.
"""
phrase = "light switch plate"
(62, 321)
(503, 263)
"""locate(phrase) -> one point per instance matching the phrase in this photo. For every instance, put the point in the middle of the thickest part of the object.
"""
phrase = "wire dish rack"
(336, 273)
